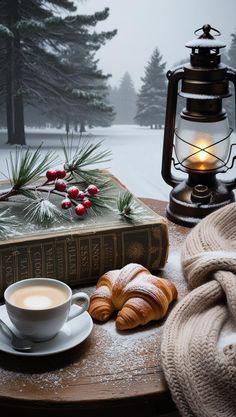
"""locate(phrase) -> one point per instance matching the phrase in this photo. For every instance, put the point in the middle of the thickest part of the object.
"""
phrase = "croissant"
(135, 293)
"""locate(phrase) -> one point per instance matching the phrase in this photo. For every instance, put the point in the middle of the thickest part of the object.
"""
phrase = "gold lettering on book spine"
(96, 252)
(72, 254)
(84, 258)
(110, 251)
(61, 265)
(36, 260)
(8, 265)
(23, 263)
(49, 256)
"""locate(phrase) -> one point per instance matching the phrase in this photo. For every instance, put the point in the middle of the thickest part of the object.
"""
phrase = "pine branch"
(26, 166)
(5, 32)
(44, 212)
(26, 169)
(7, 223)
(104, 198)
(126, 205)
(77, 161)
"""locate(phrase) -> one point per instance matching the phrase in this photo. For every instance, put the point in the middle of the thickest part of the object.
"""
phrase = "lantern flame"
(202, 152)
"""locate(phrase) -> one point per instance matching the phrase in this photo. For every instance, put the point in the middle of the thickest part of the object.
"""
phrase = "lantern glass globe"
(202, 146)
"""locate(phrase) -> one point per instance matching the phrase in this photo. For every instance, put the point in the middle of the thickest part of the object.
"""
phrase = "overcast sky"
(144, 25)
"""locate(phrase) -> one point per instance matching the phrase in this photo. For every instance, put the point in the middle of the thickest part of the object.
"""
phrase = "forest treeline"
(49, 73)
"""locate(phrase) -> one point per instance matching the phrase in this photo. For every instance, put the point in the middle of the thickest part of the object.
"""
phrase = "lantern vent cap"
(206, 39)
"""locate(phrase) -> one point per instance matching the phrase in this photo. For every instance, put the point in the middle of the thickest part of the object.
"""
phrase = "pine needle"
(26, 166)
(44, 212)
(79, 159)
(104, 198)
(7, 223)
(126, 205)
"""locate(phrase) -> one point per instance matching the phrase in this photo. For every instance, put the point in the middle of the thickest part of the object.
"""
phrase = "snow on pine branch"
(30, 24)
(84, 95)
(5, 32)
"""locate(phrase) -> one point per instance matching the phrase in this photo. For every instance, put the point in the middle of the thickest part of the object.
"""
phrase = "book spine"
(81, 259)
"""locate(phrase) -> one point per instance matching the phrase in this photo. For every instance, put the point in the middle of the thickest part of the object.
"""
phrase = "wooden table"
(109, 374)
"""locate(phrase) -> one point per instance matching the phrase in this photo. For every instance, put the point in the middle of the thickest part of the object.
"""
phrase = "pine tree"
(90, 84)
(112, 96)
(124, 100)
(152, 96)
(229, 103)
(32, 36)
(232, 51)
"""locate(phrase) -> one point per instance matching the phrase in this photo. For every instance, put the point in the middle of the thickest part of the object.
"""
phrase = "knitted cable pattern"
(202, 377)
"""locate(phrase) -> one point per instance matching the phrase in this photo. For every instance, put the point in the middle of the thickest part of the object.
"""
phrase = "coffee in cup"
(38, 297)
(39, 307)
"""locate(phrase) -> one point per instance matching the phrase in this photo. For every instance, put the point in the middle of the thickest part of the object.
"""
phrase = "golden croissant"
(138, 296)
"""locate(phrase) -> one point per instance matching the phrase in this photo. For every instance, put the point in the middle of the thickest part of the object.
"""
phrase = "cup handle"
(78, 296)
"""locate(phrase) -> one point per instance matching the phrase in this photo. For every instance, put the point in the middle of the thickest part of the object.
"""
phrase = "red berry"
(92, 189)
(61, 173)
(73, 192)
(80, 210)
(81, 195)
(60, 185)
(51, 174)
(66, 203)
(86, 203)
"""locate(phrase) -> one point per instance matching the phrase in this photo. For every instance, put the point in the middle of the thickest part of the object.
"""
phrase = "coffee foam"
(38, 297)
(37, 301)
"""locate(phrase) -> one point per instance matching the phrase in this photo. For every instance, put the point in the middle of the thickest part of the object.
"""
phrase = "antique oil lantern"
(198, 141)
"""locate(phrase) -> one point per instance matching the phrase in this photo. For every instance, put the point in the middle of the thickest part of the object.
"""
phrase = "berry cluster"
(73, 194)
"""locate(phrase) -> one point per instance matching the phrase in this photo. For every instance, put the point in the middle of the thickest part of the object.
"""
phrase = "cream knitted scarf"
(202, 375)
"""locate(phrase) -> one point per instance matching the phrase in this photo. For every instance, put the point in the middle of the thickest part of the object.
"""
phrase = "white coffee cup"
(39, 307)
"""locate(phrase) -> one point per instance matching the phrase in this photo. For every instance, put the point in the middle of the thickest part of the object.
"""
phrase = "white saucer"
(72, 333)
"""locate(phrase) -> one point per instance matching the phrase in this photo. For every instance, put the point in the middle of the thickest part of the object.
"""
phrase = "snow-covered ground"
(136, 155)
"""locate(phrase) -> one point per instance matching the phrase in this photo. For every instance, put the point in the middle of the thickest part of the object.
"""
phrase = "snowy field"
(136, 155)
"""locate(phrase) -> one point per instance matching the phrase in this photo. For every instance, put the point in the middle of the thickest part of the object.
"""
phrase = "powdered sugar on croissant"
(138, 296)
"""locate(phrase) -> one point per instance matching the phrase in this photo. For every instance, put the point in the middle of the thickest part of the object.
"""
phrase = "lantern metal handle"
(174, 77)
(231, 76)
